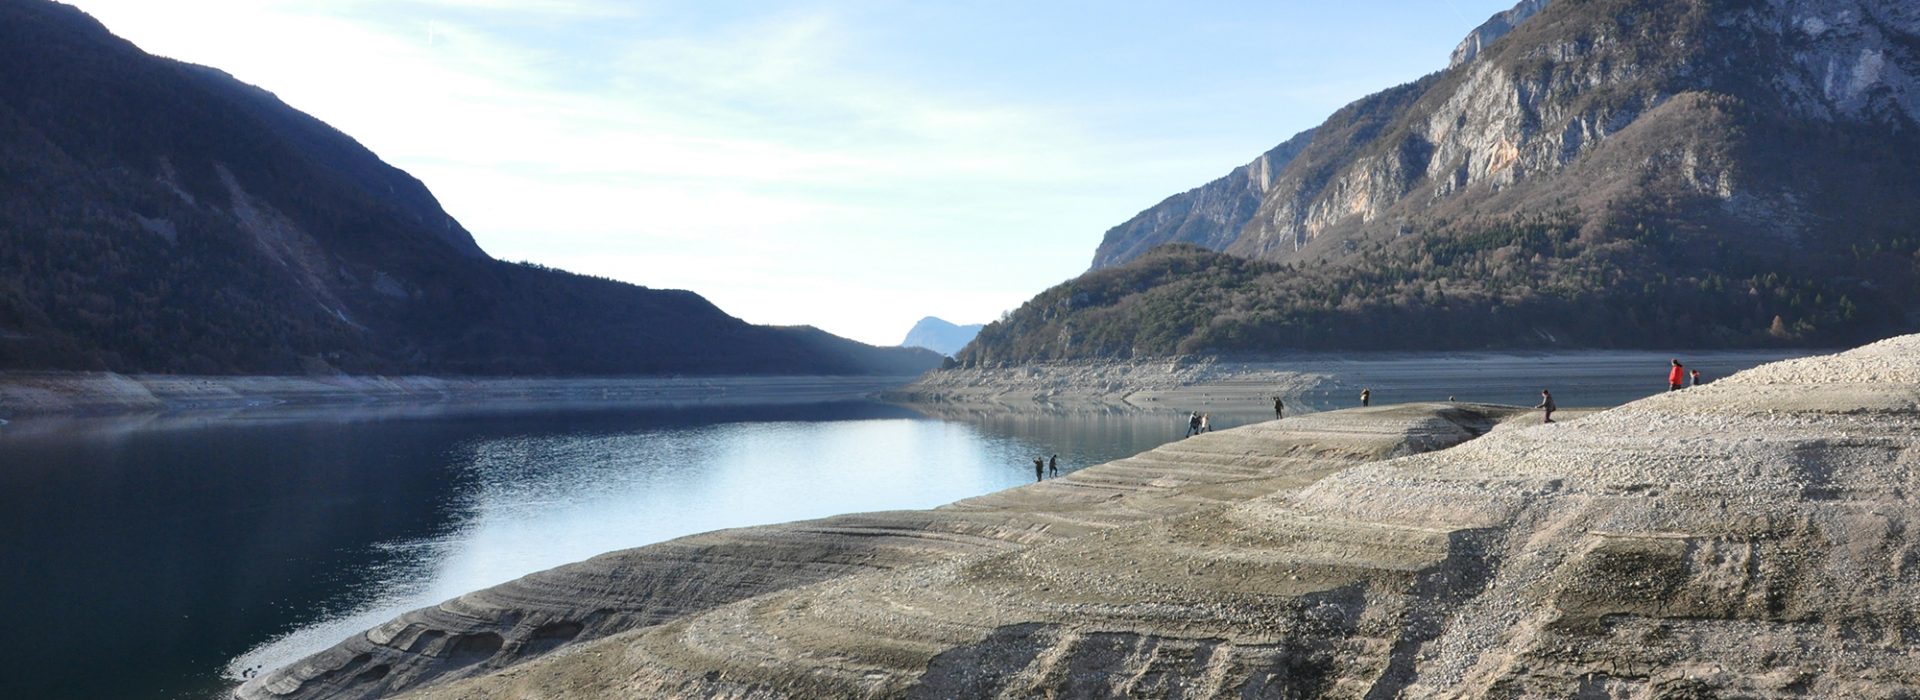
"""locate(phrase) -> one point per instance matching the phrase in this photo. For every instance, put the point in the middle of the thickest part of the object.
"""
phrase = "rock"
(1742, 548)
(506, 626)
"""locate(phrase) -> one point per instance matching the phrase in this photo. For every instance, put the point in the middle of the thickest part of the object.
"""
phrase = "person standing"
(1676, 377)
(1053, 466)
(1697, 381)
(1546, 403)
(1366, 396)
(1193, 423)
(1039, 468)
(1206, 422)
(1279, 408)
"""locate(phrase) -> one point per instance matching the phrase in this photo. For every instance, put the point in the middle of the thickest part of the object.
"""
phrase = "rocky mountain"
(157, 216)
(1493, 29)
(940, 336)
(1210, 215)
(1697, 172)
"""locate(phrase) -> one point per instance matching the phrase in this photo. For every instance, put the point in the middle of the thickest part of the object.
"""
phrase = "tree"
(1779, 328)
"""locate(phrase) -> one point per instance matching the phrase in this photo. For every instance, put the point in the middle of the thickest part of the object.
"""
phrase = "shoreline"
(94, 394)
(1202, 383)
(1316, 382)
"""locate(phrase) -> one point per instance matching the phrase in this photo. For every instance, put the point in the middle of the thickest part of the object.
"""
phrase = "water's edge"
(106, 393)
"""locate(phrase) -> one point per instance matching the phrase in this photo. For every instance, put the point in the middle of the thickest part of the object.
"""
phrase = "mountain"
(1600, 173)
(1210, 215)
(940, 335)
(157, 216)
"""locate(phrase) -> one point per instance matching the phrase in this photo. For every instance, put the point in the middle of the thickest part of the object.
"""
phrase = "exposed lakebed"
(152, 554)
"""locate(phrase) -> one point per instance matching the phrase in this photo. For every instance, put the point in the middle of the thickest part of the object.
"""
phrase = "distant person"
(1450, 399)
(1676, 377)
(1366, 396)
(1279, 408)
(1193, 423)
(1697, 381)
(1206, 422)
(1546, 403)
(1053, 466)
(1039, 468)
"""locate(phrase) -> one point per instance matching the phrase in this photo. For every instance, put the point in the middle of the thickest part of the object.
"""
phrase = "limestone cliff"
(1754, 537)
(1613, 108)
(1607, 173)
(1210, 215)
(1490, 31)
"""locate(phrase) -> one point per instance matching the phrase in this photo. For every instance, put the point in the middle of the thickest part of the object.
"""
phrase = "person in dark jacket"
(1039, 468)
(1279, 408)
(1697, 380)
(1053, 466)
(1546, 403)
(1676, 377)
(1366, 396)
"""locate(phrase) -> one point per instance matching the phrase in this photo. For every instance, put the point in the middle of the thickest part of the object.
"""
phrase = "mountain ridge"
(157, 216)
(1607, 174)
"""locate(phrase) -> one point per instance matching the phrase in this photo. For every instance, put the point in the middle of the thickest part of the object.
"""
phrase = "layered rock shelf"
(1753, 537)
(644, 588)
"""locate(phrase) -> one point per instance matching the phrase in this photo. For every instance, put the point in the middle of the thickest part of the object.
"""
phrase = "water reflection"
(532, 501)
(147, 554)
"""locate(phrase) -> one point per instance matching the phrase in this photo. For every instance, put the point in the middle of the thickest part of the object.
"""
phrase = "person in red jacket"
(1676, 378)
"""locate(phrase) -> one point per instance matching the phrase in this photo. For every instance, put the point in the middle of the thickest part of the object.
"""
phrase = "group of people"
(1198, 423)
(1677, 377)
(1044, 467)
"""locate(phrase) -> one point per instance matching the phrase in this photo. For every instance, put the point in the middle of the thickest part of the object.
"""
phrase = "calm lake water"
(152, 557)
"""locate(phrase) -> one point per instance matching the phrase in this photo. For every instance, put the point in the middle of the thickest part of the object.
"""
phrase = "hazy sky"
(849, 164)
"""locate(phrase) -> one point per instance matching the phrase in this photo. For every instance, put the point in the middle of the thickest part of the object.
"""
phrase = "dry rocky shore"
(96, 393)
(1749, 538)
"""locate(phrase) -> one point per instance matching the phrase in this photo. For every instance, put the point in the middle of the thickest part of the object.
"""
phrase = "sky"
(848, 164)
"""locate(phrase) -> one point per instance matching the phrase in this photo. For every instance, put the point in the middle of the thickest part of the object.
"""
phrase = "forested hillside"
(157, 216)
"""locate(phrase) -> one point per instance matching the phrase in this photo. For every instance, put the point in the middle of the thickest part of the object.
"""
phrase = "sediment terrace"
(1227, 384)
(93, 393)
(644, 588)
(1754, 537)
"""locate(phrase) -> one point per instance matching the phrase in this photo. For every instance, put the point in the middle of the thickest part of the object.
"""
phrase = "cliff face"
(1210, 215)
(1608, 173)
(1753, 537)
(157, 216)
(1491, 30)
(1580, 107)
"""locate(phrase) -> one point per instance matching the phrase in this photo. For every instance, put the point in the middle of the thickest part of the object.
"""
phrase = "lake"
(154, 556)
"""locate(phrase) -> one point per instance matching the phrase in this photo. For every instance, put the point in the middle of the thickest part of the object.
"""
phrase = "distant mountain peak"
(940, 335)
